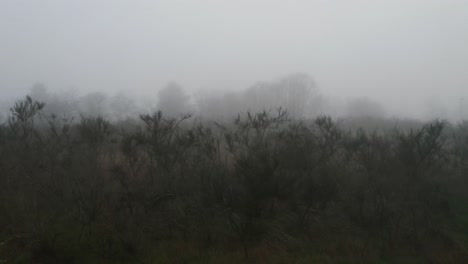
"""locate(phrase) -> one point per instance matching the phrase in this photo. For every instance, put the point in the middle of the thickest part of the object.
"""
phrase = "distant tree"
(297, 93)
(122, 106)
(93, 104)
(364, 107)
(208, 104)
(435, 109)
(173, 100)
(221, 105)
(39, 91)
(63, 104)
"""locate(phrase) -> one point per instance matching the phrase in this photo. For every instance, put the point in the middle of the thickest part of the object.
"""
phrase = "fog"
(241, 131)
(409, 57)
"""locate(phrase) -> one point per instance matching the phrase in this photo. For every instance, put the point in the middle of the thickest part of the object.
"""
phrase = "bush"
(91, 190)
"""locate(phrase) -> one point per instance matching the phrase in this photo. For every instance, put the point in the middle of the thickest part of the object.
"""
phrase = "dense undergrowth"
(262, 188)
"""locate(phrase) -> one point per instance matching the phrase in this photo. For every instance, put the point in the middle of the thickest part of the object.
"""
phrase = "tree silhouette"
(173, 100)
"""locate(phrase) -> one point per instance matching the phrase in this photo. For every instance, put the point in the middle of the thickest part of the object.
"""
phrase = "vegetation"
(264, 188)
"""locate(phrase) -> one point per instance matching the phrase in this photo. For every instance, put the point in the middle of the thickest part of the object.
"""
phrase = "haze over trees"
(364, 107)
(174, 100)
(298, 93)
(209, 131)
(109, 186)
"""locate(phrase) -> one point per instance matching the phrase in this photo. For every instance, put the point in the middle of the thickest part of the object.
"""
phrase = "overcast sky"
(404, 53)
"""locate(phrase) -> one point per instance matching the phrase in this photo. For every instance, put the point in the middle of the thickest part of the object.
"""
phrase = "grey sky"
(405, 53)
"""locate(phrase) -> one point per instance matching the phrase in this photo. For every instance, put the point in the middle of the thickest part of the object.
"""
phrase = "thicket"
(262, 188)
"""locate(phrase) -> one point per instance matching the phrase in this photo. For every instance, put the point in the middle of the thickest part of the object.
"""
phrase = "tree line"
(260, 187)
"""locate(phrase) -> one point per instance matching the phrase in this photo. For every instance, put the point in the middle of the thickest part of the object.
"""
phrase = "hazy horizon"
(410, 56)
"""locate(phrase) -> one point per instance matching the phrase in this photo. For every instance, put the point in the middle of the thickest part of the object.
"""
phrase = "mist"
(246, 131)
(408, 56)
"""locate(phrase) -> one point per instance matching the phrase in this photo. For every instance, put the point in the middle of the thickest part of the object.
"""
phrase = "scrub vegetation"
(262, 187)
